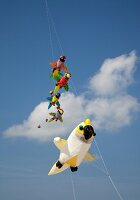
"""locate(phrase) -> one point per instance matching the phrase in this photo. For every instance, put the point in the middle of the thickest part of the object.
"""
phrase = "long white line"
(107, 173)
(49, 26)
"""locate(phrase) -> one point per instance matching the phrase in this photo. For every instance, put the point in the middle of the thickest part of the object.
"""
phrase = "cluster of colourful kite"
(75, 149)
(61, 82)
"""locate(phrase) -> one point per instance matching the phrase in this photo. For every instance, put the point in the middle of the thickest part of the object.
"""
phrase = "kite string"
(73, 188)
(49, 15)
(51, 44)
(107, 173)
(49, 26)
(57, 37)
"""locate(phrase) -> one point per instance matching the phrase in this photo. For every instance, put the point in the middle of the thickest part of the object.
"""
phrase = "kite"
(63, 82)
(56, 75)
(60, 64)
(57, 116)
(53, 99)
(74, 150)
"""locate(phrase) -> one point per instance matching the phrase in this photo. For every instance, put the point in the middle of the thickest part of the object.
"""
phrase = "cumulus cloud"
(110, 114)
(110, 106)
(114, 76)
(73, 107)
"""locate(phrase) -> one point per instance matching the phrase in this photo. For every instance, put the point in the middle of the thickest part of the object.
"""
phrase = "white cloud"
(115, 75)
(110, 107)
(113, 113)
(73, 107)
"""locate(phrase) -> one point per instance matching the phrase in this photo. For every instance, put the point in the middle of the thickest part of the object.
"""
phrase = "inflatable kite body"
(56, 75)
(53, 99)
(75, 149)
(60, 64)
(57, 116)
(63, 82)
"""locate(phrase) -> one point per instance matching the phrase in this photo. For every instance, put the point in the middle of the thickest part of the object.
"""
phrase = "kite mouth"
(88, 132)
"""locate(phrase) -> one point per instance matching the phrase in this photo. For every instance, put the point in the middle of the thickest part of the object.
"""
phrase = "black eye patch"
(89, 129)
(88, 132)
(81, 127)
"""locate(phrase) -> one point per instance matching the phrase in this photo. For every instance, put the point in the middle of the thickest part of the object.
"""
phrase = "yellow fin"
(89, 157)
(59, 142)
(72, 161)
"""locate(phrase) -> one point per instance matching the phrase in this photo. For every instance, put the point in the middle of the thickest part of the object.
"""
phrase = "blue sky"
(96, 36)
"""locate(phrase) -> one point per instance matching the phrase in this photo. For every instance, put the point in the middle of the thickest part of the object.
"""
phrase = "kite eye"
(81, 127)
